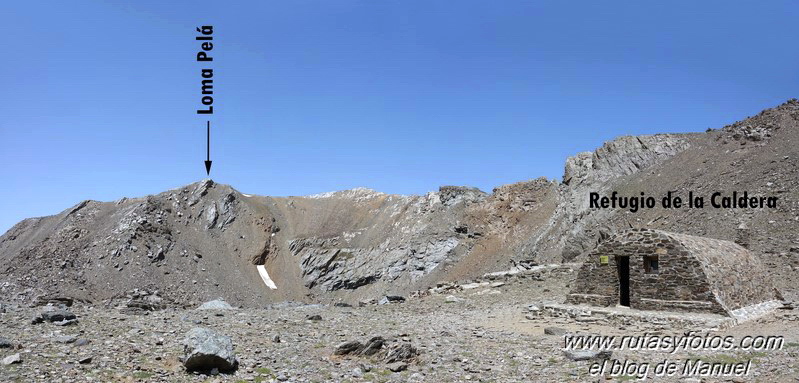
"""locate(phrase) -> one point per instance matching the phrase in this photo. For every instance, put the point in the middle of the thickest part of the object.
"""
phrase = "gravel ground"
(478, 334)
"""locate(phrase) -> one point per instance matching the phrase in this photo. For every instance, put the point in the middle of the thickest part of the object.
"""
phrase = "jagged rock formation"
(574, 228)
(203, 241)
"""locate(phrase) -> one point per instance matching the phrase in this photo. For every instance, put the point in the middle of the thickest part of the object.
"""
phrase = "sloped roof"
(736, 276)
(731, 270)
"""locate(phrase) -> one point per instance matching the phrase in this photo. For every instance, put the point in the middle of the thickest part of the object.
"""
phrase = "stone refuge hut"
(657, 270)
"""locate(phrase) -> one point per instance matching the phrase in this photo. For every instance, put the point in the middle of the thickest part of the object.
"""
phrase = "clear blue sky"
(98, 99)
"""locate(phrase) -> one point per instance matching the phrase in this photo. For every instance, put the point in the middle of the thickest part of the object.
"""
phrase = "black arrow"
(208, 149)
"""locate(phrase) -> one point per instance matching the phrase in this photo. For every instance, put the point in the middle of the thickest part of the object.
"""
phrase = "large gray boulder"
(216, 304)
(206, 350)
(56, 314)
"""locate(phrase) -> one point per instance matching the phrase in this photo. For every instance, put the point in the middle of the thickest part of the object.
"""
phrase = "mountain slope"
(204, 240)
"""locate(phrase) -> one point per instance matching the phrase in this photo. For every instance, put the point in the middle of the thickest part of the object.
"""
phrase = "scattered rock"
(142, 302)
(397, 366)
(314, 317)
(588, 355)
(555, 331)
(5, 343)
(12, 359)
(469, 286)
(55, 314)
(391, 299)
(65, 339)
(58, 315)
(54, 300)
(216, 304)
(205, 350)
(401, 352)
(453, 299)
(347, 347)
(372, 346)
(66, 322)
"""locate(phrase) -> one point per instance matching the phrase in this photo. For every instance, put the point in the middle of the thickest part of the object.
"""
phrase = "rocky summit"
(208, 283)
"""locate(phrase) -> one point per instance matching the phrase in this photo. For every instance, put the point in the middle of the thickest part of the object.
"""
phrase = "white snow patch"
(265, 277)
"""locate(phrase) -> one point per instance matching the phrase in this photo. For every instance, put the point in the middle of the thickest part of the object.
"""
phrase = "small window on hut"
(651, 264)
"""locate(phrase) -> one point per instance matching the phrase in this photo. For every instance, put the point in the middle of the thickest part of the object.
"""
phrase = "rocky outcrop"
(395, 355)
(270, 247)
(521, 196)
(629, 154)
(326, 264)
(574, 228)
(451, 195)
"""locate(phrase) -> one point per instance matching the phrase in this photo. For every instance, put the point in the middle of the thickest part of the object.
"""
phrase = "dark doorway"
(623, 264)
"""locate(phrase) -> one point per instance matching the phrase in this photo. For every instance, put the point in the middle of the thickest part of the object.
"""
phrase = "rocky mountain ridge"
(204, 240)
